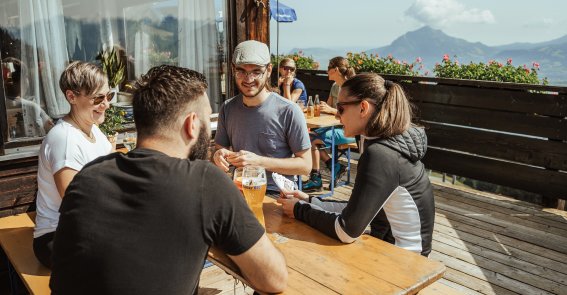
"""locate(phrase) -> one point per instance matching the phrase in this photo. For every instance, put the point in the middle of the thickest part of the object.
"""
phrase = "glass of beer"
(237, 177)
(254, 184)
(129, 140)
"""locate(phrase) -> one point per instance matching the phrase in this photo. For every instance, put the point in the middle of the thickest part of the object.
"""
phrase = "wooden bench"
(16, 238)
(346, 148)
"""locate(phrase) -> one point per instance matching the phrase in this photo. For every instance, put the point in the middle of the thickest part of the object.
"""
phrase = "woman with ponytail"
(339, 71)
(392, 192)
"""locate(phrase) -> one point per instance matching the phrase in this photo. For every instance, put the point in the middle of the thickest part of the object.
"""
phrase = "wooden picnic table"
(318, 264)
(325, 120)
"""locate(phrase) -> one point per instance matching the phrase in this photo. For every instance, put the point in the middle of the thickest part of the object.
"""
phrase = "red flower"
(509, 61)
(446, 57)
(418, 59)
(535, 65)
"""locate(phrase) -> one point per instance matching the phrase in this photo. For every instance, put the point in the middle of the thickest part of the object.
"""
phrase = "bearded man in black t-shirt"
(142, 222)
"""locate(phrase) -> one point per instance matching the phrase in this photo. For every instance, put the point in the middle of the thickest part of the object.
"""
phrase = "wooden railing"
(503, 133)
(18, 185)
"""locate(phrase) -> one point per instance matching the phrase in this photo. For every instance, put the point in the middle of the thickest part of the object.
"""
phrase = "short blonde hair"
(82, 76)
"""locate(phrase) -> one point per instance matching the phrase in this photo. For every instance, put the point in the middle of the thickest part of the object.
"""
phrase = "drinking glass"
(129, 140)
(254, 184)
(237, 178)
(301, 105)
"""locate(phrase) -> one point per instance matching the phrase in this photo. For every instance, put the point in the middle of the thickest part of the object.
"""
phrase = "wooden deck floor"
(491, 244)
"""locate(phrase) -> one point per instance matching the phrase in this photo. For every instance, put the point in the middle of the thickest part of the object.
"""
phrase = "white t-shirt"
(64, 146)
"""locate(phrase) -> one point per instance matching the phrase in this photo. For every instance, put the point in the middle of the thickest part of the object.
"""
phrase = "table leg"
(332, 160)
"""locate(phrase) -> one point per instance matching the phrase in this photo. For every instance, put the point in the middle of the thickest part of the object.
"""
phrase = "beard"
(201, 147)
(261, 87)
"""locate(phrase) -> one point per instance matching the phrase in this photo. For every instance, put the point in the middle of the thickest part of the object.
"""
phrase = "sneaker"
(340, 171)
(315, 183)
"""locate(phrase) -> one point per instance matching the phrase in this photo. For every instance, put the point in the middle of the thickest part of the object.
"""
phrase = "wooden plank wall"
(316, 82)
(18, 185)
(503, 133)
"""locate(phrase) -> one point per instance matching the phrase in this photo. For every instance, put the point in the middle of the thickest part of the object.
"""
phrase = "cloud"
(441, 13)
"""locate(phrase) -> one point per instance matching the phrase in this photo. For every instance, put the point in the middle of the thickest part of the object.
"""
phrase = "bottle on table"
(310, 108)
(317, 107)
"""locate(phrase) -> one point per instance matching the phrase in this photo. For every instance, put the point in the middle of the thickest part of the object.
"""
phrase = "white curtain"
(198, 43)
(142, 47)
(43, 31)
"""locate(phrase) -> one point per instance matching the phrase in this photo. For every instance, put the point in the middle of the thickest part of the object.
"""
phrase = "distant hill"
(431, 44)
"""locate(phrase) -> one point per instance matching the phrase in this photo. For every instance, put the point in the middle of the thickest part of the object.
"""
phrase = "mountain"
(514, 46)
(552, 59)
(431, 44)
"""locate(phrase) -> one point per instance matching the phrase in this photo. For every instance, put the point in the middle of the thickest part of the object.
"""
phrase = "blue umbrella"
(281, 12)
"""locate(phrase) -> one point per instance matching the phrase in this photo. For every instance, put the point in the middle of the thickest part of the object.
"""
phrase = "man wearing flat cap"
(259, 127)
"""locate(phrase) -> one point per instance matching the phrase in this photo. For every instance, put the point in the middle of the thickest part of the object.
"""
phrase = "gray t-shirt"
(274, 129)
(335, 89)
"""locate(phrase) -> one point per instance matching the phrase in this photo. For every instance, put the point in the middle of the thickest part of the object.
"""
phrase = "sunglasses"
(291, 69)
(341, 105)
(100, 98)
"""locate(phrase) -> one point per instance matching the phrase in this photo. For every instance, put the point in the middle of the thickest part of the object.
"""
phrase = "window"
(38, 38)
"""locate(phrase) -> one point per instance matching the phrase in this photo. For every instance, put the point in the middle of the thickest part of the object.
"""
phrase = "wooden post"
(249, 20)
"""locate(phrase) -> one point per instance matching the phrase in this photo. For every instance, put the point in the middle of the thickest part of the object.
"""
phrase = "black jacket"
(392, 194)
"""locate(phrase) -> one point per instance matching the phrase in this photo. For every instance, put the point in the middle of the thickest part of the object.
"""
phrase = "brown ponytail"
(393, 112)
(343, 66)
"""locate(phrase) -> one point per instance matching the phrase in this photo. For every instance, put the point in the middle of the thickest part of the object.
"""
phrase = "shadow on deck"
(491, 244)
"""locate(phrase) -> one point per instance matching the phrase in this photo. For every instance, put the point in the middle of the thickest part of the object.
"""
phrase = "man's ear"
(191, 126)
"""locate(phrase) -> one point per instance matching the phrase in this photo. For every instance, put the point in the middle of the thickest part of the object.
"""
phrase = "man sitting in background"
(142, 222)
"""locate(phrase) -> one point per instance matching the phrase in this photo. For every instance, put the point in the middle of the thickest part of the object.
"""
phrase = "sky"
(365, 24)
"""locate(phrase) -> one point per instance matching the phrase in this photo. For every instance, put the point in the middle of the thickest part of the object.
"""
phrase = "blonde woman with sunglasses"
(392, 193)
(72, 143)
(289, 86)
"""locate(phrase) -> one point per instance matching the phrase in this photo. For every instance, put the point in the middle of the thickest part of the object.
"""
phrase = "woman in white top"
(72, 143)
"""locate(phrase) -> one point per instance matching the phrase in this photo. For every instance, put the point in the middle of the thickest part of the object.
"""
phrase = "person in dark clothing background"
(392, 192)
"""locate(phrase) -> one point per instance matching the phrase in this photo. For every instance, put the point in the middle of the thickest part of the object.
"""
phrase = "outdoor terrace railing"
(503, 133)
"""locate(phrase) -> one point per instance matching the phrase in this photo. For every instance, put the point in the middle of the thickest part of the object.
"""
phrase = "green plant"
(113, 120)
(491, 71)
(361, 62)
(301, 61)
(112, 65)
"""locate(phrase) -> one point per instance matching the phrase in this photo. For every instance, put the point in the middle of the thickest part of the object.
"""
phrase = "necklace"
(89, 135)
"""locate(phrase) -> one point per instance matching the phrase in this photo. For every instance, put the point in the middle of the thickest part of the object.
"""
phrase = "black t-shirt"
(142, 223)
